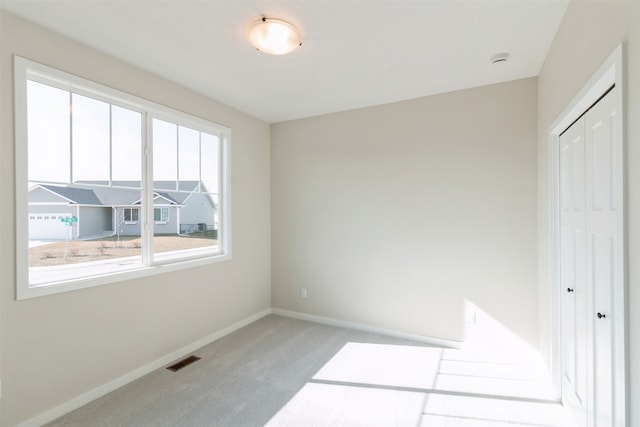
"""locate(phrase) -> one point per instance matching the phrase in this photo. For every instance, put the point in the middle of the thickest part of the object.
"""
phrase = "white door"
(573, 270)
(604, 205)
(592, 252)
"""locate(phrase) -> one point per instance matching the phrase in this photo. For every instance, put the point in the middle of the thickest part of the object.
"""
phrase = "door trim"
(611, 72)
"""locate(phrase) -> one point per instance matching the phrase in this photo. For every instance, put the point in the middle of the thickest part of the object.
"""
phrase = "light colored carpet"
(285, 372)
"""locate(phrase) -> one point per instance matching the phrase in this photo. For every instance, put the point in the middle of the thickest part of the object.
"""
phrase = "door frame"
(611, 72)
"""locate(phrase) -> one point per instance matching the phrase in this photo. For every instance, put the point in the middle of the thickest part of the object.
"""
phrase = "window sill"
(165, 263)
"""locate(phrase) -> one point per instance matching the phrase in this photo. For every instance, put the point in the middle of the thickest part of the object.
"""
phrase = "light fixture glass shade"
(274, 36)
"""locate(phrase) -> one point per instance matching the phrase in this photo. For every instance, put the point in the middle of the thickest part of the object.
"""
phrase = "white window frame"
(162, 209)
(24, 70)
(131, 220)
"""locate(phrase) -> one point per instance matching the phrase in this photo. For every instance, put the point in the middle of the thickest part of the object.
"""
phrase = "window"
(161, 215)
(146, 185)
(131, 214)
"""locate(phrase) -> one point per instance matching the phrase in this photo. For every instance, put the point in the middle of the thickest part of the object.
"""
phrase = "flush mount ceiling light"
(274, 36)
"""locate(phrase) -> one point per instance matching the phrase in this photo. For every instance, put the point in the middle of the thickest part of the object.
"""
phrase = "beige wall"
(393, 215)
(56, 347)
(2, 205)
(390, 216)
(588, 34)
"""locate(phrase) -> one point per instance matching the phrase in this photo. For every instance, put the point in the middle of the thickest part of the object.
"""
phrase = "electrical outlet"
(303, 293)
(472, 318)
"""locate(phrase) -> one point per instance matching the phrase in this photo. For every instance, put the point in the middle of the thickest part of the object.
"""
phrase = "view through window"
(94, 208)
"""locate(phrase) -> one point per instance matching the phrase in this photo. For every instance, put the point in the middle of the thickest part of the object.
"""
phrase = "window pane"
(88, 238)
(90, 143)
(161, 215)
(210, 163)
(190, 228)
(80, 229)
(165, 154)
(48, 128)
(126, 143)
(131, 214)
(189, 154)
(189, 224)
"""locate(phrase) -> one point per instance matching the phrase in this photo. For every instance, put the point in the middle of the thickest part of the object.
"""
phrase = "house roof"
(121, 193)
(110, 196)
(169, 197)
(80, 196)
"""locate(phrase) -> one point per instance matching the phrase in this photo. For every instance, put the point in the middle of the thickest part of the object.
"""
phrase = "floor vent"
(184, 362)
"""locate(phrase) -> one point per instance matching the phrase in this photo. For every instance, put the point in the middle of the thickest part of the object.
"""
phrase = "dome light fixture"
(274, 36)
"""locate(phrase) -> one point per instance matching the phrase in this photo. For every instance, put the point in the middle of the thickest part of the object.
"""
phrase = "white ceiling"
(355, 53)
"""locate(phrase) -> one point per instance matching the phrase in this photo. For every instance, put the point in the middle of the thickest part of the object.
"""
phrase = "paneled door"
(605, 248)
(573, 270)
(592, 260)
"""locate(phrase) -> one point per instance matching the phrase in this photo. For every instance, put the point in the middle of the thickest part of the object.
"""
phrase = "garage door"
(47, 226)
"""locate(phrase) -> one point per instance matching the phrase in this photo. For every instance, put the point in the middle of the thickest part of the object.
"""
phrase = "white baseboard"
(440, 342)
(100, 391)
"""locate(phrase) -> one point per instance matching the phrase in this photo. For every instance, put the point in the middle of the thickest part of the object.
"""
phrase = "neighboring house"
(101, 210)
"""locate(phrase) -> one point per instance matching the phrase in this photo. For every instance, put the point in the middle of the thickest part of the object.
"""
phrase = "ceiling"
(355, 53)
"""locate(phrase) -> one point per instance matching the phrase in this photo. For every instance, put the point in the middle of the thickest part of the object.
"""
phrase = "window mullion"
(146, 226)
(222, 231)
(177, 157)
(110, 145)
(70, 137)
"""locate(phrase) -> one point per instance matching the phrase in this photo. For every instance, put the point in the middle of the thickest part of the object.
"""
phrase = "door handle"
(601, 316)
(569, 289)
